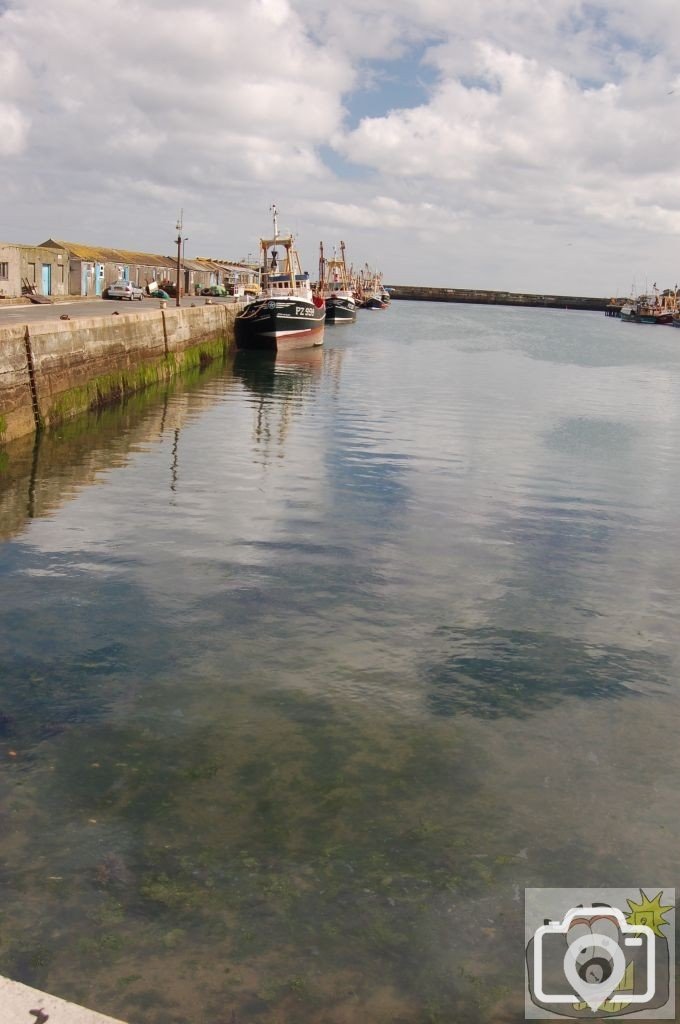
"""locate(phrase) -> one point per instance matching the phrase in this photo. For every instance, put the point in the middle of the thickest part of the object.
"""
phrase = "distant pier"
(489, 298)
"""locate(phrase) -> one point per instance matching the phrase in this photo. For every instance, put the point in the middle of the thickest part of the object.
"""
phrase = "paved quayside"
(19, 1003)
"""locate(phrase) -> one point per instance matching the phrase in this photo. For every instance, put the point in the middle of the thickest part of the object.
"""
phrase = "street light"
(178, 228)
(184, 269)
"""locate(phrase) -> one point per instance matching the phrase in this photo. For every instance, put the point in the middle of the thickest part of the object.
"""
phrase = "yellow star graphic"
(648, 912)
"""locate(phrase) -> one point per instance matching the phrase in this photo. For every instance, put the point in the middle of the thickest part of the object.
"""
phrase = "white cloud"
(13, 130)
(541, 125)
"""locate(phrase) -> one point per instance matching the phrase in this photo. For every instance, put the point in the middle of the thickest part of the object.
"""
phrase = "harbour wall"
(489, 298)
(53, 370)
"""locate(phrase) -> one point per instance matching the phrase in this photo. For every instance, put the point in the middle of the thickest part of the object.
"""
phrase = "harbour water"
(307, 669)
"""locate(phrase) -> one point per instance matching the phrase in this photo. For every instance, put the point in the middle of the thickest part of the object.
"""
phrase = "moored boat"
(335, 288)
(371, 289)
(650, 315)
(285, 314)
(651, 309)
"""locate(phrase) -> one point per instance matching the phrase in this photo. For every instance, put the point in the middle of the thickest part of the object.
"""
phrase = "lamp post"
(179, 257)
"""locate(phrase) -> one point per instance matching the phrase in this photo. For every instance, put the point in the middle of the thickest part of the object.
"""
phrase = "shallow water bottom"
(300, 690)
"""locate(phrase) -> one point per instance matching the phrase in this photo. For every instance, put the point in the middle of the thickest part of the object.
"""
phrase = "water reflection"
(42, 471)
(309, 667)
(278, 382)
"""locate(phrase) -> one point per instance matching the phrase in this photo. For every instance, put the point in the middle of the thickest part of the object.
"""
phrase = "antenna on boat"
(275, 214)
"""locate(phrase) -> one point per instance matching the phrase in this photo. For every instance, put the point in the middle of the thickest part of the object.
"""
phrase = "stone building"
(44, 268)
(94, 268)
(239, 278)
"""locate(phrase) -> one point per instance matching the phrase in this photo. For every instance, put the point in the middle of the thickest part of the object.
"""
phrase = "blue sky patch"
(343, 168)
(392, 85)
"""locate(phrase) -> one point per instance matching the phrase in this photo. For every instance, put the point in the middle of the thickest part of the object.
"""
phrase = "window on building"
(4, 271)
(31, 272)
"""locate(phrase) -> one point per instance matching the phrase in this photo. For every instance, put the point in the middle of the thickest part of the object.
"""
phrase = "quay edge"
(51, 370)
(474, 296)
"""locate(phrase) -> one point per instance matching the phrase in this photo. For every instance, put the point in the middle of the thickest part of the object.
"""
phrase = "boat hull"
(655, 318)
(373, 303)
(340, 311)
(280, 326)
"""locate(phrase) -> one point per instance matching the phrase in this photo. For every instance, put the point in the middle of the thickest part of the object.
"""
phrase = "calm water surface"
(308, 669)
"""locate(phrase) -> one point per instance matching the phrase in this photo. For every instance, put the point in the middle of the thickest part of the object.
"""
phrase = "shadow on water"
(491, 672)
(587, 437)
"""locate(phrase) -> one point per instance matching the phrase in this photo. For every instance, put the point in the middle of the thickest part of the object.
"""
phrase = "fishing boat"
(628, 312)
(651, 309)
(285, 314)
(371, 289)
(335, 288)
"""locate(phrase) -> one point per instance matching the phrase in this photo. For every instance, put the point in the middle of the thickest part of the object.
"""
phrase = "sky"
(529, 145)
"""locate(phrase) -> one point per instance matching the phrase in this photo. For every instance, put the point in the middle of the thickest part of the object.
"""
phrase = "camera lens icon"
(595, 978)
(593, 963)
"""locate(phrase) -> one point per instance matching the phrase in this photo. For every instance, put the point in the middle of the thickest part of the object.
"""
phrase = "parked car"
(124, 290)
(214, 289)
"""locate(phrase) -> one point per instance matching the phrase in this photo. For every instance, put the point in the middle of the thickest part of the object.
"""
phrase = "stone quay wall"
(489, 298)
(53, 370)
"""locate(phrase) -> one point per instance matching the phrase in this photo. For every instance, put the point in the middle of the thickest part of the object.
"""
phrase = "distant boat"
(371, 289)
(651, 309)
(335, 288)
(285, 314)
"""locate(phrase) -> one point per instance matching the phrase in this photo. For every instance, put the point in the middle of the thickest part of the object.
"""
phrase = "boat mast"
(322, 268)
(275, 214)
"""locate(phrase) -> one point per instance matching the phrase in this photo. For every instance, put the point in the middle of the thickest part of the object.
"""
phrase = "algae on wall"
(53, 371)
(109, 388)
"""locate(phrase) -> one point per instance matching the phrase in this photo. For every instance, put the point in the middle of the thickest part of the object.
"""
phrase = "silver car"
(124, 290)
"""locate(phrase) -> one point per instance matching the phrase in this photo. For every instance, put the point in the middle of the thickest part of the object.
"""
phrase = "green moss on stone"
(109, 389)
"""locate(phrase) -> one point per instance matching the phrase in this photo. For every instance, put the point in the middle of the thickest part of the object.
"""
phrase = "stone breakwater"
(51, 371)
(488, 298)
